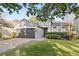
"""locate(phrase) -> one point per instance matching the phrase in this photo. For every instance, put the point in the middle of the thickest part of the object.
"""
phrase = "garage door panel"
(30, 33)
(27, 33)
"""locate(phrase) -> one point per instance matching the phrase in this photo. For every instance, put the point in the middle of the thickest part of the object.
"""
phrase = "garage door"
(30, 33)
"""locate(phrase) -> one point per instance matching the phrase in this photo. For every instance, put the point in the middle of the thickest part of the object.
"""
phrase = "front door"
(45, 31)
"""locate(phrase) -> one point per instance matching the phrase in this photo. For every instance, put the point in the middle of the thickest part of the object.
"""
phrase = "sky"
(22, 15)
(14, 16)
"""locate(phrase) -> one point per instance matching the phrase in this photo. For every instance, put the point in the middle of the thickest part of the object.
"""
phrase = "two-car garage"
(26, 33)
(35, 33)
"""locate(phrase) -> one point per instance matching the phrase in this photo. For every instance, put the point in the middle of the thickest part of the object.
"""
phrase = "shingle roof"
(31, 24)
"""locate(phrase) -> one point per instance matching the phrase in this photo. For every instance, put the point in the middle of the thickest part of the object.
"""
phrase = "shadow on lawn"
(42, 49)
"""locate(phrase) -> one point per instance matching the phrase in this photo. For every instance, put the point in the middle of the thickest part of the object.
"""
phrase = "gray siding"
(39, 33)
(77, 26)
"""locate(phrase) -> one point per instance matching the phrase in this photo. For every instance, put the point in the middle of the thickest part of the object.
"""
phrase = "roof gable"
(25, 22)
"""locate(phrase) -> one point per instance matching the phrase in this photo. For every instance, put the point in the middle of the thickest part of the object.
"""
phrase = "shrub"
(0, 35)
(60, 35)
(14, 34)
(6, 38)
(69, 36)
(55, 35)
(3, 37)
(77, 37)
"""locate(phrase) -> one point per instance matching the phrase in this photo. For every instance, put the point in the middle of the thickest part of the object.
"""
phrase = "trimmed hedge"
(60, 35)
(55, 35)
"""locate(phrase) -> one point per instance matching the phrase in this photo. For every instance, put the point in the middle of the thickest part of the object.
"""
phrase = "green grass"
(46, 48)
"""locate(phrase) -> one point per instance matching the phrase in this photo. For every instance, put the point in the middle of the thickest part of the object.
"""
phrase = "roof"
(58, 23)
(21, 21)
(27, 24)
(41, 24)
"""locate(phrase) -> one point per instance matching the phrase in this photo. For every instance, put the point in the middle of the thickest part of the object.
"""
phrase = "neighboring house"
(27, 29)
(76, 22)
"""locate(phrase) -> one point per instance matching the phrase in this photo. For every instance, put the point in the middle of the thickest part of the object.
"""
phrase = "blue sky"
(13, 16)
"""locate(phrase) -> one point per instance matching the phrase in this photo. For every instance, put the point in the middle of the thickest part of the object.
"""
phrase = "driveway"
(9, 44)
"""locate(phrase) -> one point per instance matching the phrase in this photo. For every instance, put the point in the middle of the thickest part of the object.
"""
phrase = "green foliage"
(55, 35)
(33, 19)
(47, 11)
(77, 36)
(0, 35)
(9, 37)
(6, 38)
(60, 35)
(14, 35)
(11, 7)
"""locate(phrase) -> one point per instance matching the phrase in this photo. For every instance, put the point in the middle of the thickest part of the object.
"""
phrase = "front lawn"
(46, 48)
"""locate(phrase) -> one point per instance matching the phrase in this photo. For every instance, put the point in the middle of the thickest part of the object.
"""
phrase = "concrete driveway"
(9, 44)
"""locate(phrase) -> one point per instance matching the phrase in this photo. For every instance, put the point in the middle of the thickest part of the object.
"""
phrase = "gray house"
(28, 29)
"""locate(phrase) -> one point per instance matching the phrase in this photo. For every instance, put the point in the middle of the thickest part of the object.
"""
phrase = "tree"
(11, 7)
(47, 11)
(33, 19)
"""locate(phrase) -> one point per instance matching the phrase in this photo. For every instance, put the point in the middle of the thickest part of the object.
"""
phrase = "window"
(54, 27)
(63, 27)
(20, 24)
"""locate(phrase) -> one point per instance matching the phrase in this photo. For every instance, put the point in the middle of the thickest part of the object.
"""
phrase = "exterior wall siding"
(17, 32)
(39, 33)
(45, 24)
(77, 26)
